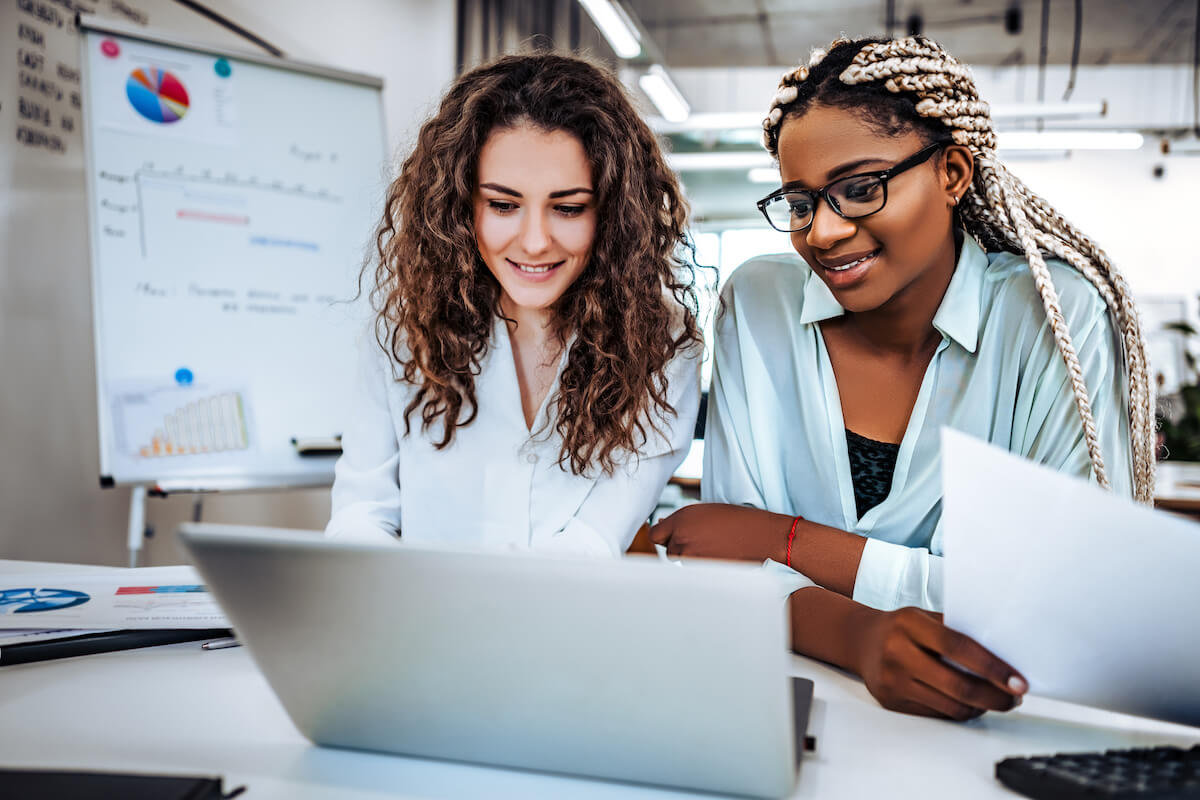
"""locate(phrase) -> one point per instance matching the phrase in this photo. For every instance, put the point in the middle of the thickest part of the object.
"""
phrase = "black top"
(871, 466)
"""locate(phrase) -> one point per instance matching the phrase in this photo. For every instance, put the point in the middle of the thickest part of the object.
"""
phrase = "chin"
(858, 299)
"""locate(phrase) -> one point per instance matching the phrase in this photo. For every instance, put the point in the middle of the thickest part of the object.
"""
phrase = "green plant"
(1179, 412)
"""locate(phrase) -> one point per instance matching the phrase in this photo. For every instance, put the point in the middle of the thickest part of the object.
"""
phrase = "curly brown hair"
(632, 309)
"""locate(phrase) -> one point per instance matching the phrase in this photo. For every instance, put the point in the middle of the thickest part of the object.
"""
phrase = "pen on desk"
(221, 644)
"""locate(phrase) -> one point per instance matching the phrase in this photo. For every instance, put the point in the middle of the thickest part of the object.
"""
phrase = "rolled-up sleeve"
(892, 576)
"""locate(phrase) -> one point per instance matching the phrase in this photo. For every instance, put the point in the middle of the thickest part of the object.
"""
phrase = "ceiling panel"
(704, 33)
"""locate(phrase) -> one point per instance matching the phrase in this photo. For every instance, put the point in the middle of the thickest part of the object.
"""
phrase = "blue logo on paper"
(184, 376)
(25, 601)
(222, 68)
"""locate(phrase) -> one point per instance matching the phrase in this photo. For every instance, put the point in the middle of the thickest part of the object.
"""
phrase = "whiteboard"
(231, 201)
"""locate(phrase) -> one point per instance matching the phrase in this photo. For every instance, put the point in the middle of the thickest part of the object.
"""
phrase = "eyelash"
(505, 207)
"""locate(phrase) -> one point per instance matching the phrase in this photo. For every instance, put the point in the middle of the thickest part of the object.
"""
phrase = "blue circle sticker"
(184, 376)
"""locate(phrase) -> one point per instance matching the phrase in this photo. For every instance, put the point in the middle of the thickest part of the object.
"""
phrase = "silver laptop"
(635, 670)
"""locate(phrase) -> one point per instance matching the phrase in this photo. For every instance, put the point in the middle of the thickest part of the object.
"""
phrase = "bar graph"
(178, 421)
(210, 425)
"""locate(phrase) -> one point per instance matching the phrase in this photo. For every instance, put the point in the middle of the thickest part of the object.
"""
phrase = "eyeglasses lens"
(856, 196)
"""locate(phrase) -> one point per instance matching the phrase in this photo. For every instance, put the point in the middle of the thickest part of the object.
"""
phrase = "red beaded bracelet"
(791, 538)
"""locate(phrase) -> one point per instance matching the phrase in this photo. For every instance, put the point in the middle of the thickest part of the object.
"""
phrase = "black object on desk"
(47, 785)
(1150, 773)
(103, 642)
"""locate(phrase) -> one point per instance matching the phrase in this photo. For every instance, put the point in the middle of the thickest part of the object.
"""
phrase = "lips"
(847, 261)
(534, 269)
(847, 269)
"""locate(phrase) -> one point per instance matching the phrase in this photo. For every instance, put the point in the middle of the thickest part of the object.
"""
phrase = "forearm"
(828, 626)
(825, 555)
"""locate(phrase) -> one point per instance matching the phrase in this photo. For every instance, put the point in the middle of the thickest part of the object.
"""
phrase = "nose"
(535, 235)
(828, 227)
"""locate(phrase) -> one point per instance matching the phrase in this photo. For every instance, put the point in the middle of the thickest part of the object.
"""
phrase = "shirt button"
(531, 458)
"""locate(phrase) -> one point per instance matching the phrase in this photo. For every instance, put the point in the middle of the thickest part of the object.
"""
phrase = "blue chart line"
(25, 601)
(270, 241)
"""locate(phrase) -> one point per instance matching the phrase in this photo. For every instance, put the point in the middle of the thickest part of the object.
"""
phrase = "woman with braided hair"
(934, 289)
(533, 377)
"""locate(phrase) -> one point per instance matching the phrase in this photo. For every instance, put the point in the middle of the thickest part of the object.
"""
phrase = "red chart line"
(205, 216)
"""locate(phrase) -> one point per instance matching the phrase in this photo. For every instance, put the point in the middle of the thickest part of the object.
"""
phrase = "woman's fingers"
(941, 704)
(962, 688)
(964, 652)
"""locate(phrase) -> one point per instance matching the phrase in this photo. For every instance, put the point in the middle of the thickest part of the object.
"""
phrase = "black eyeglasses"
(852, 197)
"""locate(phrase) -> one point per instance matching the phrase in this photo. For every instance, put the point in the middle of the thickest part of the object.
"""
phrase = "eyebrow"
(838, 172)
(496, 187)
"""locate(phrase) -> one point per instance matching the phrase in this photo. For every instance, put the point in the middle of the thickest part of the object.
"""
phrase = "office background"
(1140, 204)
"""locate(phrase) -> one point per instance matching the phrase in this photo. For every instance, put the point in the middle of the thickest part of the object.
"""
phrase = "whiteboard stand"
(137, 523)
(138, 532)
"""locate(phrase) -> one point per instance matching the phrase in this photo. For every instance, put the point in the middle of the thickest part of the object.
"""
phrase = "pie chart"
(25, 601)
(157, 95)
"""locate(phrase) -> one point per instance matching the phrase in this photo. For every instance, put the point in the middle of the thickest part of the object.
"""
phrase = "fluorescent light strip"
(752, 120)
(1049, 110)
(661, 90)
(1068, 140)
(699, 162)
(622, 35)
(763, 175)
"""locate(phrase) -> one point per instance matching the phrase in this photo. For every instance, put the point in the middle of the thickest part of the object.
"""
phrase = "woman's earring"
(954, 201)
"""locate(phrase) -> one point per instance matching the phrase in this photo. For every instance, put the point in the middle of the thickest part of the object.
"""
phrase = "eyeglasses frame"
(884, 175)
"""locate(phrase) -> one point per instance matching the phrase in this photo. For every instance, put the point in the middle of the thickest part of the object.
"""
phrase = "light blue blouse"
(776, 439)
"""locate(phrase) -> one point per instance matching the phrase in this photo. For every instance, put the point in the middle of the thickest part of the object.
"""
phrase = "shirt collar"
(958, 315)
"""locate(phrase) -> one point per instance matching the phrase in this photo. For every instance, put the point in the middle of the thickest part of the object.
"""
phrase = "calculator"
(1150, 773)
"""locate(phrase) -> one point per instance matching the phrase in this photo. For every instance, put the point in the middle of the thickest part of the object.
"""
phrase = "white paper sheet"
(1094, 598)
(151, 597)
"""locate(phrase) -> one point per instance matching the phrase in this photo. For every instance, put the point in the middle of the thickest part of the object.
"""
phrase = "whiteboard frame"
(91, 23)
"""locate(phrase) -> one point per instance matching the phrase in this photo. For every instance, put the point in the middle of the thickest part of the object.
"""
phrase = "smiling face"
(906, 248)
(535, 214)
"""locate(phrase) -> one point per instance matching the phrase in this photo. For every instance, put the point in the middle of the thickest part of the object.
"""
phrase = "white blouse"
(497, 485)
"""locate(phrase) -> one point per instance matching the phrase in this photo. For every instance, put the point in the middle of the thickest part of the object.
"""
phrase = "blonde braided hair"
(998, 210)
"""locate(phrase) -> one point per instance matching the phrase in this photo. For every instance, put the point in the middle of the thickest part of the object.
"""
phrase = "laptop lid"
(635, 669)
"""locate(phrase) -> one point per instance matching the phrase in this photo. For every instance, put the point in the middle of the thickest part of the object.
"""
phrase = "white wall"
(1146, 224)
(51, 506)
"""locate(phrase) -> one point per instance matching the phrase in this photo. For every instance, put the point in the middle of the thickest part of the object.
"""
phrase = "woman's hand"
(717, 530)
(911, 662)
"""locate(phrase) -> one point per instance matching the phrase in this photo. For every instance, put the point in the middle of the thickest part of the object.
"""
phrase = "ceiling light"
(763, 175)
(699, 162)
(1068, 140)
(661, 90)
(620, 32)
(1049, 110)
(752, 120)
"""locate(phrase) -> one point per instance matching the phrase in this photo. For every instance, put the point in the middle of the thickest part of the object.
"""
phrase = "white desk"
(186, 710)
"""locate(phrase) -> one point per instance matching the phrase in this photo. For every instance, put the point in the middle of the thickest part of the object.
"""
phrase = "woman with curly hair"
(533, 379)
(933, 289)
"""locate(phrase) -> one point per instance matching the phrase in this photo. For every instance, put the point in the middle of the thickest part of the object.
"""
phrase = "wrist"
(831, 627)
(860, 624)
(786, 552)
